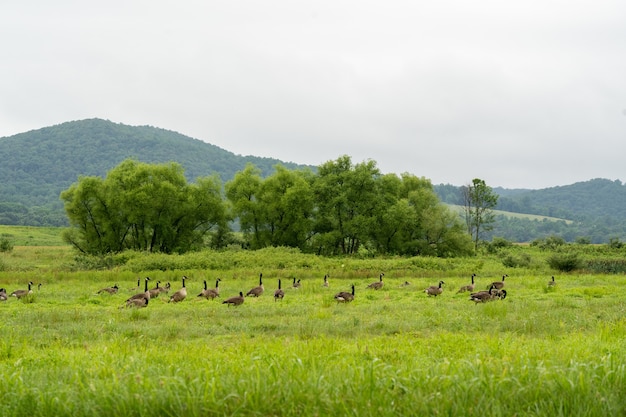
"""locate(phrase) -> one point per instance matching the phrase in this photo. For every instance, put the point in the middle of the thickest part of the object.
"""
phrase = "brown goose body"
(378, 284)
(109, 290)
(483, 296)
(144, 294)
(3, 294)
(258, 290)
(552, 282)
(137, 302)
(23, 293)
(279, 294)
(235, 301)
(469, 287)
(156, 291)
(344, 296)
(498, 285)
(179, 295)
(434, 290)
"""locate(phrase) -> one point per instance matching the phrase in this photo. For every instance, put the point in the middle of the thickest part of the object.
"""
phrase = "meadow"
(68, 351)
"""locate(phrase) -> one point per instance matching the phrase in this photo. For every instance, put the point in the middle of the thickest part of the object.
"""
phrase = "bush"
(5, 245)
(522, 261)
(565, 262)
(606, 266)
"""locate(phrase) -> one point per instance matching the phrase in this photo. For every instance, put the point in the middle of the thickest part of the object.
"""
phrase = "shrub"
(516, 261)
(565, 262)
(5, 245)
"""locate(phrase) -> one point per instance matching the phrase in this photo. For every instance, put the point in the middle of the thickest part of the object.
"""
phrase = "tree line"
(342, 209)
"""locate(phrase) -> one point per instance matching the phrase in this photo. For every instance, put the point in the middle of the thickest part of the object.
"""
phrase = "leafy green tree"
(243, 192)
(288, 204)
(346, 197)
(143, 207)
(479, 201)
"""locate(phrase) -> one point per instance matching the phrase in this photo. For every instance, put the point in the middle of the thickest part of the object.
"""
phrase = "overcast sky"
(521, 94)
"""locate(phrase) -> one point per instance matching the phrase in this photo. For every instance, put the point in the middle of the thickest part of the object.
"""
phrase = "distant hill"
(591, 209)
(37, 165)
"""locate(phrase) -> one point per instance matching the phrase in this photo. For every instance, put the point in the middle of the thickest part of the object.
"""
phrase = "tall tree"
(346, 199)
(479, 201)
(143, 207)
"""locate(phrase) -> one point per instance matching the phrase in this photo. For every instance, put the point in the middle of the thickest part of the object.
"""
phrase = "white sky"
(522, 94)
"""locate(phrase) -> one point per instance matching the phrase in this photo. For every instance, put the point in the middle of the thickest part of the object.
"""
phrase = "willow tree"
(143, 207)
(479, 201)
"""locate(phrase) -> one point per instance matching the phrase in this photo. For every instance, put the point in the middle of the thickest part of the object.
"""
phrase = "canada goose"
(498, 285)
(144, 294)
(552, 282)
(378, 284)
(39, 287)
(325, 284)
(279, 294)
(501, 294)
(258, 290)
(296, 284)
(166, 288)
(469, 287)
(137, 302)
(482, 296)
(344, 296)
(22, 293)
(156, 291)
(236, 301)
(3, 294)
(179, 295)
(434, 290)
(110, 290)
(405, 284)
(138, 287)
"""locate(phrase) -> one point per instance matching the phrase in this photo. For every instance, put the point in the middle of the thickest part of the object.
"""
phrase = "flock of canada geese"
(495, 291)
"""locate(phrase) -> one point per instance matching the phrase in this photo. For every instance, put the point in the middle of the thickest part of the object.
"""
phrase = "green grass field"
(68, 351)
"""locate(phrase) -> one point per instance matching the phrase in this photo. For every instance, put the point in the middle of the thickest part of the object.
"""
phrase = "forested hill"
(595, 209)
(37, 165)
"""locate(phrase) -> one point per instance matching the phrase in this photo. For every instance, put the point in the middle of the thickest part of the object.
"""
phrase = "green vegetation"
(478, 203)
(543, 351)
(344, 209)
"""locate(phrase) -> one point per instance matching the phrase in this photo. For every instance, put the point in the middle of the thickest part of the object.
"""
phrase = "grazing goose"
(296, 284)
(552, 282)
(325, 284)
(3, 294)
(434, 290)
(482, 296)
(109, 290)
(258, 290)
(279, 294)
(166, 288)
(469, 287)
(23, 293)
(378, 284)
(179, 295)
(137, 302)
(498, 285)
(344, 296)
(236, 301)
(156, 291)
(144, 294)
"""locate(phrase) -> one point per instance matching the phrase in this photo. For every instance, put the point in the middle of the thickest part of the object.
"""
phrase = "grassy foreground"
(67, 351)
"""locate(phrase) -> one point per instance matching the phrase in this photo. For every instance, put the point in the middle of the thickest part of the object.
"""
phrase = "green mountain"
(38, 165)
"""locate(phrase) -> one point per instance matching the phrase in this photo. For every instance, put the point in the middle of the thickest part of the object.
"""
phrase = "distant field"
(32, 236)
(460, 209)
